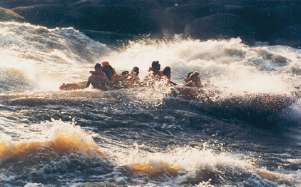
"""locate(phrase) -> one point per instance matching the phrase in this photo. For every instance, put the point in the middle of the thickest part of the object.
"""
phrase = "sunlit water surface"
(247, 133)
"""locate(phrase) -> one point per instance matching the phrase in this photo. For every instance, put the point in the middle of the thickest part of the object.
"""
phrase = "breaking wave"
(62, 139)
(43, 56)
(187, 165)
(245, 85)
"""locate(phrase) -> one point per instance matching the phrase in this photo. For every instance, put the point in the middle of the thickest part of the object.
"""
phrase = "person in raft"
(98, 78)
(166, 76)
(133, 79)
(109, 71)
(120, 81)
(193, 80)
(153, 75)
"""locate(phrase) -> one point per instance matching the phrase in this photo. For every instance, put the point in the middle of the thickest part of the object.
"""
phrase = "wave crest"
(64, 138)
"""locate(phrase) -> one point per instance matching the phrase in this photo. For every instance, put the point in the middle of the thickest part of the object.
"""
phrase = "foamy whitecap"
(183, 159)
(192, 164)
(61, 138)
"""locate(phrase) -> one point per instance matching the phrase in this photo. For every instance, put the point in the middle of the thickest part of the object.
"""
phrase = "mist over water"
(248, 134)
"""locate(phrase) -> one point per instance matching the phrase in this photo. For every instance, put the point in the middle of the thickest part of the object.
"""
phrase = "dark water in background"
(247, 135)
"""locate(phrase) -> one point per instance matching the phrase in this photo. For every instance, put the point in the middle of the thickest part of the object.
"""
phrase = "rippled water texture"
(246, 132)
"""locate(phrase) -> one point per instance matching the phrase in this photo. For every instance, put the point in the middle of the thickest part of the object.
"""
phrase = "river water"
(248, 134)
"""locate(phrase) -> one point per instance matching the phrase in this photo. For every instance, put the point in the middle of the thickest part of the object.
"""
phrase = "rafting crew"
(104, 77)
(106, 74)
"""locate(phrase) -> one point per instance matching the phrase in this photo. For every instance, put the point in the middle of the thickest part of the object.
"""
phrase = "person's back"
(108, 70)
(98, 79)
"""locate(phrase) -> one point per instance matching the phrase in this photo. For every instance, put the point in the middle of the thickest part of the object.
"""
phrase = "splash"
(37, 59)
(63, 138)
(49, 57)
(187, 164)
(45, 57)
(59, 45)
(183, 159)
(154, 168)
(14, 79)
(231, 66)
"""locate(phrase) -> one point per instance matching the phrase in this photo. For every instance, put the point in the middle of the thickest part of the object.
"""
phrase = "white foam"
(229, 65)
(187, 158)
(48, 57)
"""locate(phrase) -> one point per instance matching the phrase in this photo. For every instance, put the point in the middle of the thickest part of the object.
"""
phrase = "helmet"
(105, 63)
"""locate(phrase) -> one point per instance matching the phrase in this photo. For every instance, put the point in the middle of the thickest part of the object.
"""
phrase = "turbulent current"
(246, 133)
